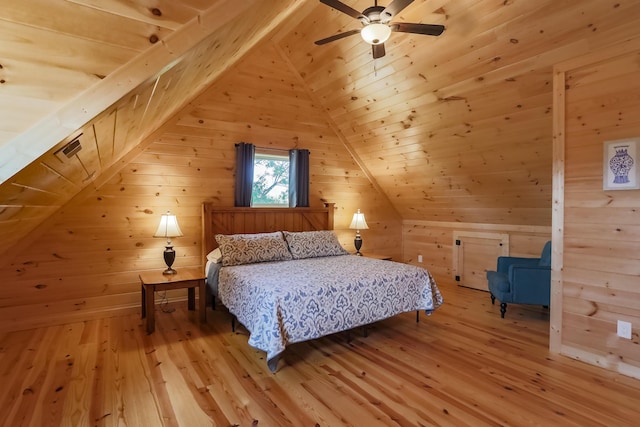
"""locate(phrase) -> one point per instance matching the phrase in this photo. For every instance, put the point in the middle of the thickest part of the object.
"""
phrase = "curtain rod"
(281, 150)
(271, 148)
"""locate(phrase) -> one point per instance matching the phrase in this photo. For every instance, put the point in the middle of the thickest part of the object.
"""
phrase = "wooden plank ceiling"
(453, 128)
(458, 127)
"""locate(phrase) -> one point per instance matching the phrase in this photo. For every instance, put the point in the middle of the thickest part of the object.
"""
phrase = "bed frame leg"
(233, 323)
(417, 316)
(273, 364)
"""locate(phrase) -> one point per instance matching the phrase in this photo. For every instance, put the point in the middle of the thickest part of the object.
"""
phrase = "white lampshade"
(376, 33)
(358, 222)
(168, 226)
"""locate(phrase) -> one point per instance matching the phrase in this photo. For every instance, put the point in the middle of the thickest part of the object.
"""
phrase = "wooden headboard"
(230, 220)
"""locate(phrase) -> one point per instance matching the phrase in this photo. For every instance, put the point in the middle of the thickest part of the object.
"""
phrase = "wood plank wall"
(87, 264)
(435, 241)
(598, 273)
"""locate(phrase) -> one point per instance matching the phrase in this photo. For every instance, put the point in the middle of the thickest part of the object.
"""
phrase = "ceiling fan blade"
(378, 50)
(337, 37)
(394, 8)
(426, 29)
(338, 5)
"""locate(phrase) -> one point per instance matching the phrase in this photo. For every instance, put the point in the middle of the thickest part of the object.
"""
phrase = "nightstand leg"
(202, 301)
(143, 303)
(150, 292)
(191, 299)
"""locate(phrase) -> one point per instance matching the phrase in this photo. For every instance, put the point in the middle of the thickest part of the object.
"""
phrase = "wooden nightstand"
(190, 278)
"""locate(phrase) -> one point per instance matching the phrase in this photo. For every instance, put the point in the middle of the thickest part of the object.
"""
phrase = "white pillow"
(215, 256)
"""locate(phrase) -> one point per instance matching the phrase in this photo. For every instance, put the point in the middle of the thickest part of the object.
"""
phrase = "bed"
(283, 274)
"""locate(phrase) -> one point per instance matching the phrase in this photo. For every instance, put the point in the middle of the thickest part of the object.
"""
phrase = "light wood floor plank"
(463, 365)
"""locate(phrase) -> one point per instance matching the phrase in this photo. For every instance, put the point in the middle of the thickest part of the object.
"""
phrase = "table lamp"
(358, 223)
(168, 228)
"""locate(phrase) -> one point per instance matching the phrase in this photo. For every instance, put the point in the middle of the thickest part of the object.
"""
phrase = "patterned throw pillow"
(311, 244)
(238, 249)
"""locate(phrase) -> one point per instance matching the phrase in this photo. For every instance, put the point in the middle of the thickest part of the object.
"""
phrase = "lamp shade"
(358, 222)
(375, 33)
(168, 226)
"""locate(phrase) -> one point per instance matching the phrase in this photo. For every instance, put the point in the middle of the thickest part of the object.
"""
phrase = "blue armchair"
(521, 280)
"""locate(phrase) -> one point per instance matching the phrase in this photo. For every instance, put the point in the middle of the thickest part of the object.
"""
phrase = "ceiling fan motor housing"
(374, 14)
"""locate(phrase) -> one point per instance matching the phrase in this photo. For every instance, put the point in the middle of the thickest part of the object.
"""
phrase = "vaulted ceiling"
(450, 128)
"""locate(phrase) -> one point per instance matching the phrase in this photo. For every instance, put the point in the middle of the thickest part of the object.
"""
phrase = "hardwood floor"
(461, 366)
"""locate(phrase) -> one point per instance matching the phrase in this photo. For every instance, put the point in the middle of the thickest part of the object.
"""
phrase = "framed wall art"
(621, 165)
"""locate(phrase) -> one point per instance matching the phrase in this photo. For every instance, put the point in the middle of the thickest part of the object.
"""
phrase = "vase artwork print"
(621, 165)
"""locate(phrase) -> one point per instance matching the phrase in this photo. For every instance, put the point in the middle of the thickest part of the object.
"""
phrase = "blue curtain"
(298, 178)
(245, 156)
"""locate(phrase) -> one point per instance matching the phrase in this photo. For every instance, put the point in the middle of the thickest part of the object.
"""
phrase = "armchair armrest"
(530, 285)
(504, 262)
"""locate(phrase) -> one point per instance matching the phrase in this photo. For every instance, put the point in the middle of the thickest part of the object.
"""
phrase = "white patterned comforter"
(291, 301)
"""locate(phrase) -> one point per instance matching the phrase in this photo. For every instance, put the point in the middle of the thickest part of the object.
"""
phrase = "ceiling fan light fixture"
(376, 33)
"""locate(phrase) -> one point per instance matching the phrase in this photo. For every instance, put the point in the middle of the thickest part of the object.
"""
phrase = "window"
(281, 177)
(270, 179)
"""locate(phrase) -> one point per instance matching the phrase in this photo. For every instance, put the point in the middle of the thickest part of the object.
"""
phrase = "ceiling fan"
(377, 26)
